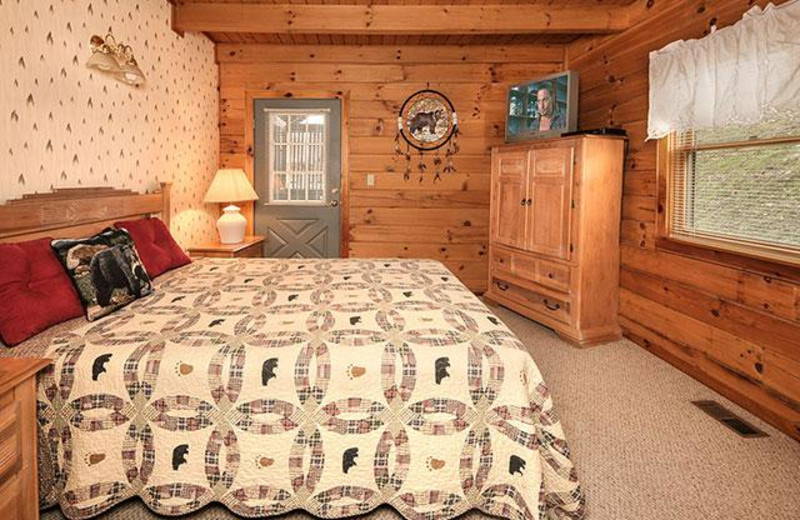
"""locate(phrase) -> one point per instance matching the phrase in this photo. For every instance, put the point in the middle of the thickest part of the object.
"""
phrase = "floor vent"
(729, 419)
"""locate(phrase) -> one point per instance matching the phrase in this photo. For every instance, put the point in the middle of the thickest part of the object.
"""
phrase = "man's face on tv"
(544, 102)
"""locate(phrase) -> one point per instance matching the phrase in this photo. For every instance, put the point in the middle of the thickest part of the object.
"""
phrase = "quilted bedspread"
(332, 386)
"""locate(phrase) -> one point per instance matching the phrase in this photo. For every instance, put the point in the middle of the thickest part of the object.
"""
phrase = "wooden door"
(549, 202)
(298, 176)
(509, 193)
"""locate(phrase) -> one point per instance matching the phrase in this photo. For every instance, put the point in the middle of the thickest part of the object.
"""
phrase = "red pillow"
(157, 249)
(35, 292)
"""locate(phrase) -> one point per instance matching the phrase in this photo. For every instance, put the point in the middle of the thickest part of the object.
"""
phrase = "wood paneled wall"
(448, 221)
(737, 330)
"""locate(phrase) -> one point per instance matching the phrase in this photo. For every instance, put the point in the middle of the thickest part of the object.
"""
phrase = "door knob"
(333, 203)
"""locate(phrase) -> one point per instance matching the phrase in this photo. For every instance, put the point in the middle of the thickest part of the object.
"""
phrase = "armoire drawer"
(550, 274)
(553, 275)
(501, 261)
(556, 308)
(525, 267)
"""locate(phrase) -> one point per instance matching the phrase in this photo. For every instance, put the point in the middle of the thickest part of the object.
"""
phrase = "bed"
(268, 385)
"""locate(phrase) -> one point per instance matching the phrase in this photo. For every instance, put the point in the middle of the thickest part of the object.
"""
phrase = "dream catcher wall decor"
(427, 123)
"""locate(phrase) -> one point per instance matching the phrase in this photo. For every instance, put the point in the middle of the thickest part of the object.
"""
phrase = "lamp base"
(231, 225)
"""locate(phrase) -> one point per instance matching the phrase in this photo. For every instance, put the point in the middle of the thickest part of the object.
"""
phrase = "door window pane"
(297, 187)
(315, 186)
(280, 190)
(280, 124)
(297, 144)
(279, 158)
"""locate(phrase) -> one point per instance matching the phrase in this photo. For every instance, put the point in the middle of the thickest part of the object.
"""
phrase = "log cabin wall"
(448, 221)
(737, 330)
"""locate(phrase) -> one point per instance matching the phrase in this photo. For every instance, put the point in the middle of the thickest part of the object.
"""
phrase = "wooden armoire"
(554, 234)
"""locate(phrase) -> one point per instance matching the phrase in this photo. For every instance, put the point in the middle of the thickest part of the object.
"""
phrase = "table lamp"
(230, 186)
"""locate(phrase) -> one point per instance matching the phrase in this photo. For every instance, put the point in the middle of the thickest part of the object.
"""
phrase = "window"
(297, 144)
(737, 189)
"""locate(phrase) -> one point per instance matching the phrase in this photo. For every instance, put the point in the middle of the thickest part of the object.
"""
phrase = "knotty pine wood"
(735, 328)
(447, 221)
(382, 54)
(418, 19)
(392, 39)
(636, 10)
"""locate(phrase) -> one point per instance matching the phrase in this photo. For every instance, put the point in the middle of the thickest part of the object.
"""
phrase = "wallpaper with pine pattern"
(65, 125)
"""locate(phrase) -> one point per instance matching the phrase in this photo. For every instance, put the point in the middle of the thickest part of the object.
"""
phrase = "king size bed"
(268, 385)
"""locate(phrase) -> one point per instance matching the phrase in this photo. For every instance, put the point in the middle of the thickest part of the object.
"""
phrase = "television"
(544, 107)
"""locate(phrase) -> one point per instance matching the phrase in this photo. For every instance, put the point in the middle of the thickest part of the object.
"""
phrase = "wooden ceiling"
(401, 22)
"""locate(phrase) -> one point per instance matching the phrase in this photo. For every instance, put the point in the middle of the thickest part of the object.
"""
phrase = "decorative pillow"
(158, 250)
(35, 292)
(106, 270)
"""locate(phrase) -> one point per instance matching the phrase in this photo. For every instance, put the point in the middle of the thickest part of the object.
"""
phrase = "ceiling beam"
(382, 54)
(398, 19)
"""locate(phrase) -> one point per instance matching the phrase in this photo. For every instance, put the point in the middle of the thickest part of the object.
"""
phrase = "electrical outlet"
(371, 180)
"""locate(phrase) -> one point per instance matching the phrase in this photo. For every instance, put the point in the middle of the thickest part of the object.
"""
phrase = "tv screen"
(545, 107)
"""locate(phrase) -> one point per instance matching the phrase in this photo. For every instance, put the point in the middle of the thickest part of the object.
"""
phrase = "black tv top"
(599, 131)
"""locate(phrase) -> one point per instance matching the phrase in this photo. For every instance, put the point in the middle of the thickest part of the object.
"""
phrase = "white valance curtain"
(741, 74)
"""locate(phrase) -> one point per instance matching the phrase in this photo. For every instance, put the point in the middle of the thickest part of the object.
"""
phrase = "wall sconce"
(115, 59)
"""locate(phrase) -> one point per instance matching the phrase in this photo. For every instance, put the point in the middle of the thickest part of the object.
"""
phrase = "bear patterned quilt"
(331, 386)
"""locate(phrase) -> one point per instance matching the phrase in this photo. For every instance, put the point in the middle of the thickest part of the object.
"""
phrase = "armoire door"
(550, 195)
(509, 195)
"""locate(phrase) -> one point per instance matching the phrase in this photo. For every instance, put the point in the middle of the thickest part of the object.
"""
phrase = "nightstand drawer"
(11, 497)
(10, 441)
(252, 252)
(19, 482)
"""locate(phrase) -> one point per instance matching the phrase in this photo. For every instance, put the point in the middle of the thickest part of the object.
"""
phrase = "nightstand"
(251, 247)
(19, 483)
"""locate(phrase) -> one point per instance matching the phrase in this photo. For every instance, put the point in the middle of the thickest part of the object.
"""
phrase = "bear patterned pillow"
(106, 270)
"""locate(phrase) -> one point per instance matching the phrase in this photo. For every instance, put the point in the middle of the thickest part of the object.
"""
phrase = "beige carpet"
(643, 452)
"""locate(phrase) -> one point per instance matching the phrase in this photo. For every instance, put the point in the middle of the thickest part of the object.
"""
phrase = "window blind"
(738, 188)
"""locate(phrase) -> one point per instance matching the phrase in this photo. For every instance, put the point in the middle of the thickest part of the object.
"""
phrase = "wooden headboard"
(77, 212)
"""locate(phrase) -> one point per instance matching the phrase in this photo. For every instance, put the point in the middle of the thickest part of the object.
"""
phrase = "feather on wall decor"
(67, 125)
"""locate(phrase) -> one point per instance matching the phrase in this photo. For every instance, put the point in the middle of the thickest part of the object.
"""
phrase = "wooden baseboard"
(725, 382)
(594, 338)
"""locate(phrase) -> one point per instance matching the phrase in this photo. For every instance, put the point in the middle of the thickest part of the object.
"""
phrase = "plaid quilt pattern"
(332, 386)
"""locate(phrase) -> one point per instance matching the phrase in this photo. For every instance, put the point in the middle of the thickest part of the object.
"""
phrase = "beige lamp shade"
(230, 186)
